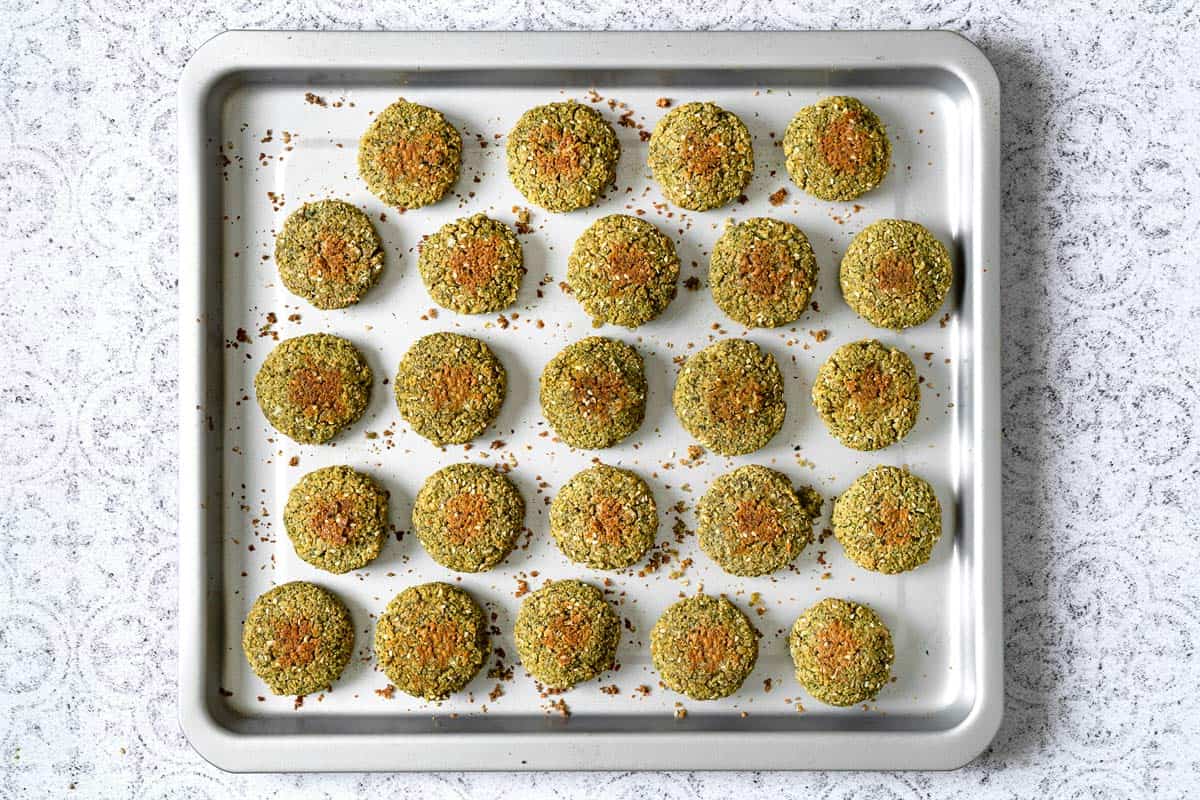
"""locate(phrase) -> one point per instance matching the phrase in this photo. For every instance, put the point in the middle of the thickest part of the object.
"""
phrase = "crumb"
(663, 102)
(523, 217)
(560, 706)
(777, 198)
(387, 692)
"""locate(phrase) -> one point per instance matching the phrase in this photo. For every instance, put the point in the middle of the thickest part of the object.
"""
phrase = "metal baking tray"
(269, 120)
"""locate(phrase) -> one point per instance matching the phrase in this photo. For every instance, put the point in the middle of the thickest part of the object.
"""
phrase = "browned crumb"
(611, 689)
(777, 198)
(692, 283)
(559, 705)
(820, 335)
(315, 99)
(294, 461)
(523, 217)
(663, 102)
(387, 692)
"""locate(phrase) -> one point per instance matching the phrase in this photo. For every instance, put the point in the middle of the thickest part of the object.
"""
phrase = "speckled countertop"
(1101, 374)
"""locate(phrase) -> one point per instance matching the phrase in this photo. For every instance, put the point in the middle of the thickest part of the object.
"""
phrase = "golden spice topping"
(452, 386)
(702, 155)
(332, 520)
(466, 515)
(415, 159)
(602, 394)
(295, 643)
(558, 152)
(708, 646)
(609, 521)
(475, 262)
(869, 386)
(835, 646)
(629, 266)
(732, 397)
(317, 389)
(766, 268)
(439, 642)
(894, 272)
(334, 259)
(845, 144)
(757, 523)
(566, 633)
(893, 525)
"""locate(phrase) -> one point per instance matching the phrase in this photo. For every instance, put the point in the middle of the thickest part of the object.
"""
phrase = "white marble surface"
(1101, 435)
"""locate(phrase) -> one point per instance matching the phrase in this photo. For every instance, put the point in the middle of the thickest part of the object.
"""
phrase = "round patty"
(604, 517)
(842, 651)
(730, 397)
(593, 392)
(704, 647)
(298, 638)
(431, 640)
(567, 633)
(449, 387)
(561, 156)
(410, 155)
(468, 516)
(312, 387)
(337, 518)
(329, 253)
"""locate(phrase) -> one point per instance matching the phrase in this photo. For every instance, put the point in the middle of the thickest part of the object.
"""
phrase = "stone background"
(1101, 452)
